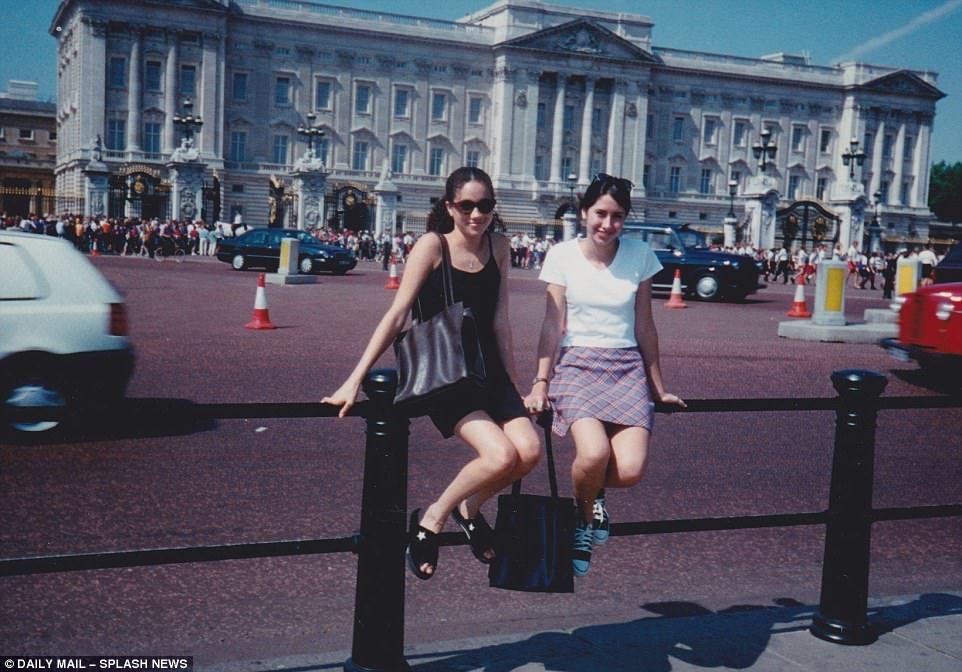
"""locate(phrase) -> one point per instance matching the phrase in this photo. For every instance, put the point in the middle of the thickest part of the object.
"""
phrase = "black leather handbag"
(534, 536)
(438, 356)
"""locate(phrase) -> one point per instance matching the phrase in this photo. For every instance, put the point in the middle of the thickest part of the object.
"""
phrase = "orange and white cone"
(799, 309)
(392, 280)
(260, 319)
(675, 300)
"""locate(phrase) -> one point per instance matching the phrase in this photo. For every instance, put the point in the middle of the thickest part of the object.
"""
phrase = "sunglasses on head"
(485, 205)
(605, 179)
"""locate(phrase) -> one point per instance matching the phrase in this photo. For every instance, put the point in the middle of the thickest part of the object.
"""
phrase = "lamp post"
(875, 229)
(309, 132)
(764, 150)
(188, 123)
(728, 226)
(570, 216)
(852, 157)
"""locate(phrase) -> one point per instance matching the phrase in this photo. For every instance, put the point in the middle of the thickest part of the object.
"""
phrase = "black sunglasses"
(605, 179)
(485, 205)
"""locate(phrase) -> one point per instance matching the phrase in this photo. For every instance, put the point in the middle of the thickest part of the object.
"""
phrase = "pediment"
(239, 120)
(581, 37)
(903, 83)
(476, 141)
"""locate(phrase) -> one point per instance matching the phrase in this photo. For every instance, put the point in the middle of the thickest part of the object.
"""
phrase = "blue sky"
(916, 34)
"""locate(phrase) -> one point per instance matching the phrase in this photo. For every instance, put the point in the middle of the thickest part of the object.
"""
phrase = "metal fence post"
(379, 599)
(842, 615)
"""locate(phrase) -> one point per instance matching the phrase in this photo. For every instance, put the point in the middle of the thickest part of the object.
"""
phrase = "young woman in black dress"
(493, 422)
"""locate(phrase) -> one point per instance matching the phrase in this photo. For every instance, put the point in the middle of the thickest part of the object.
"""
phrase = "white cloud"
(909, 28)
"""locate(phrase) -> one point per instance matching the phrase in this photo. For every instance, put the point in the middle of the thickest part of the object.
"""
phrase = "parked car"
(930, 329)
(706, 274)
(64, 342)
(950, 268)
(261, 247)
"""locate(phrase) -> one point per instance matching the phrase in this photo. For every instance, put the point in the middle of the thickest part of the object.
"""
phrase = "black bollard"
(379, 599)
(842, 615)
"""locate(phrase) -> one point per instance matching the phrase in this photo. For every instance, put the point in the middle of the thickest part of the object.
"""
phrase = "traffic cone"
(392, 280)
(260, 319)
(675, 300)
(798, 305)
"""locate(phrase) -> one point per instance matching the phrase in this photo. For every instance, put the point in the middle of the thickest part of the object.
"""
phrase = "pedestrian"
(598, 362)
(494, 421)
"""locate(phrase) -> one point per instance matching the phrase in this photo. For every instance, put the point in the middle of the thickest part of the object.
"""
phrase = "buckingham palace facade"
(542, 97)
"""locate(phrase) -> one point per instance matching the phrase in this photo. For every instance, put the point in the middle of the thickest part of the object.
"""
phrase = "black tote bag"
(438, 356)
(534, 536)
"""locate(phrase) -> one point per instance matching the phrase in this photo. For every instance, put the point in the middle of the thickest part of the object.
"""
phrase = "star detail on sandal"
(471, 527)
(422, 536)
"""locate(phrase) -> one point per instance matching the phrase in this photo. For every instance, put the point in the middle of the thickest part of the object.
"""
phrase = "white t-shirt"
(600, 302)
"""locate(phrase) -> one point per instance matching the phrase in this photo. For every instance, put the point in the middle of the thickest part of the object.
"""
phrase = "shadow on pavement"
(946, 383)
(733, 638)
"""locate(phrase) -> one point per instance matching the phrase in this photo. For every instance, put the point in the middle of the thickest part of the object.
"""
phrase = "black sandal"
(422, 548)
(479, 533)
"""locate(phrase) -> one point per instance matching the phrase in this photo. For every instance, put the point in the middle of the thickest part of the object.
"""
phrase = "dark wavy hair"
(616, 187)
(438, 219)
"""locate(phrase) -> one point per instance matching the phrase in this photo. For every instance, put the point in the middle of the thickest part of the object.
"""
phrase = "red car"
(930, 329)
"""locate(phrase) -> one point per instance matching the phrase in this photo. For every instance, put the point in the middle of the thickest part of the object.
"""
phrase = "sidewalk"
(916, 634)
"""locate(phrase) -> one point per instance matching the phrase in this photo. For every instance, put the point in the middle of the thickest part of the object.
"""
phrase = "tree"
(945, 191)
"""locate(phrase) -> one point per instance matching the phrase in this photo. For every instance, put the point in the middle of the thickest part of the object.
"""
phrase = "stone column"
(529, 105)
(641, 139)
(898, 165)
(557, 131)
(920, 164)
(849, 202)
(170, 94)
(877, 158)
(386, 193)
(135, 117)
(187, 185)
(584, 155)
(309, 182)
(93, 73)
(207, 95)
(96, 174)
(760, 204)
(616, 129)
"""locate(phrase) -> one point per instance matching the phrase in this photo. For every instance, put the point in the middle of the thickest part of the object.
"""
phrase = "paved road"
(169, 484)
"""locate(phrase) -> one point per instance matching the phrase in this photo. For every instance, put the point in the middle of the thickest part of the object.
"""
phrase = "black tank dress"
(479, 291)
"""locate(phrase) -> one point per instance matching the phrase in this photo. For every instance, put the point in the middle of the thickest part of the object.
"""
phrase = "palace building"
(542, 97)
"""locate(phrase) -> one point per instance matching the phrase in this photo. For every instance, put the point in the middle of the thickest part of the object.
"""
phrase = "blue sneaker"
(581, 558)
(600, 524)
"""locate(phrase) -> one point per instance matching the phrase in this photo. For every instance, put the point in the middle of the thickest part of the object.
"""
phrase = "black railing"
(379, 601)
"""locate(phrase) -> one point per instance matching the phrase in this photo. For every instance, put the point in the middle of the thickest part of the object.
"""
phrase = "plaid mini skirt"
(608, 384)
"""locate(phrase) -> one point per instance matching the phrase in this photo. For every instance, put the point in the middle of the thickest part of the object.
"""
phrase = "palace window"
(25, 134)
(568, 121)
(188, 80)
(704, 185)
(322, 95)
(798, 138)
(282, 91)
(539, 171)
(280, 149)
(646, 177)
(401, 101)
(474, 109)
(399, 155)
(359, 161)
(541, 116)
(597, 120)
(473, 159)
(908, 148)
(116, 134)
(674, 180)
(650, 127)
(362, 100)
(887, 143)
(793, 182)
(883, 187)
(709, 130)
(238, 146)
(320, 148)
(825, 141)
(152, 76)
(820, 186)
(678, 129)
(904, 192)
(152, 131)
(740, 134)
(436, 166)
(439, 107)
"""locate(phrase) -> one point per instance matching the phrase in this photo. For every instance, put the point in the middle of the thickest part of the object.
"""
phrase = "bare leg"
(592, 454)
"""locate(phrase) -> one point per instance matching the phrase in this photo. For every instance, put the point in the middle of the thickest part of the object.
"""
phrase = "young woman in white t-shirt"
(598, 356)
